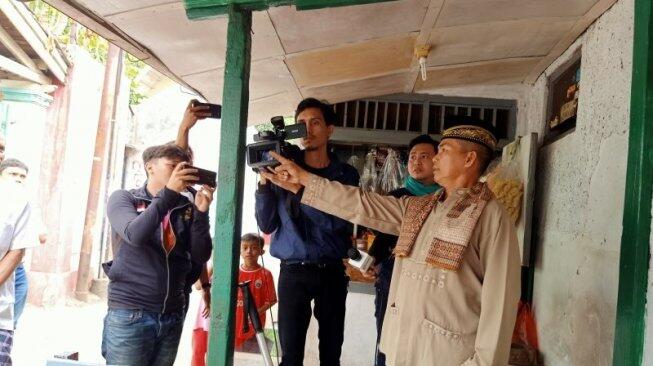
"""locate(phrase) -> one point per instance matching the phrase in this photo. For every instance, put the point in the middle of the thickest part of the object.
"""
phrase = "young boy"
(262, 288)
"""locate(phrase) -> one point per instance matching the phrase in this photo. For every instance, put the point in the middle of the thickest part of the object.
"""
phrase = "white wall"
(25, 128)
(84, 111)
(581, 192)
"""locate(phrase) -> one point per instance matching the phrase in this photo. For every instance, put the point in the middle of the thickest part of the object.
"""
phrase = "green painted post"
(226, 242)
(633, 267)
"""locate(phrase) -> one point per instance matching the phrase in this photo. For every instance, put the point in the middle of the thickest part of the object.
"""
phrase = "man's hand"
(203, 198)
(206, 297)
(181, 177)
(262, 180)
(371, 273)
(278, 180)
(193, 114)
(287, 175)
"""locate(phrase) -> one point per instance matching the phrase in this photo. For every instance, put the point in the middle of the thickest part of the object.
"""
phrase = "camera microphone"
(359, 259)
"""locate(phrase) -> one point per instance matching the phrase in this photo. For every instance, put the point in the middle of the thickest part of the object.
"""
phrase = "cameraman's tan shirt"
(434, 316)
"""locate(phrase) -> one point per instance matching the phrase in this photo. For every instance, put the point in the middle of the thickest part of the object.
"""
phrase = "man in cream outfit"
(456, 281)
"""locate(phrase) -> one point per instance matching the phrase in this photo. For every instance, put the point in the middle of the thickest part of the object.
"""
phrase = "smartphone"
(205, 176)
(214, 109)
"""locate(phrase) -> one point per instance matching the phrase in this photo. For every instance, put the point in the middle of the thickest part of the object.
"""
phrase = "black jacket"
(382, 249)
(142, 275)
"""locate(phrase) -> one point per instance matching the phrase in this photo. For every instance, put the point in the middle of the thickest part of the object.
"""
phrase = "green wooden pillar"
(226, 242)
(633, 267)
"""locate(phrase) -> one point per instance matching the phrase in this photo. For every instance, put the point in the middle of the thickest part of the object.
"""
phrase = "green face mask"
(418, 189)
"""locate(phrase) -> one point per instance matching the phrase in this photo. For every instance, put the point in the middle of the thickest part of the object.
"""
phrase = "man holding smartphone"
(160, 230)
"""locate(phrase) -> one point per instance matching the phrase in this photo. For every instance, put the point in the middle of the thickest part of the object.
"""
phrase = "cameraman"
(310, 244)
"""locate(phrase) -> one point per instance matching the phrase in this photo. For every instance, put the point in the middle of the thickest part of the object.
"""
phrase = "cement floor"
(77, 326)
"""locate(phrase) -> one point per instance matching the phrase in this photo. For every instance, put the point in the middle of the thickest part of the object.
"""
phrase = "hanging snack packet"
(369, 179)
(392, 173)
(506, 182)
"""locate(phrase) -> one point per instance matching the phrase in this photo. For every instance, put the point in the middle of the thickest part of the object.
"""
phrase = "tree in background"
(64, 31)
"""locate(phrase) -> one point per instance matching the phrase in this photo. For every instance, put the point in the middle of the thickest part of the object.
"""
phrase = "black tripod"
(251, 312)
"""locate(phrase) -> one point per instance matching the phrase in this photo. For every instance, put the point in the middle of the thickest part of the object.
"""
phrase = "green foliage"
(133, 67)
(66, 31)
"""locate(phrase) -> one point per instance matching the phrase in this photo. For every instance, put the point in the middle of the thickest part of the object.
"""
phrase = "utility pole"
(107, 105)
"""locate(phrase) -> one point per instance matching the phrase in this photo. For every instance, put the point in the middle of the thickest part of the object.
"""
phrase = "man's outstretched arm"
(382, 213)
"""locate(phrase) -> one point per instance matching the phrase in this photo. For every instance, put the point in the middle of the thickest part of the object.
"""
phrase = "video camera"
(258, 153)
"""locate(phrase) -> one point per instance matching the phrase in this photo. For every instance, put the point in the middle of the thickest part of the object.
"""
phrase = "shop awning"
(350, 52)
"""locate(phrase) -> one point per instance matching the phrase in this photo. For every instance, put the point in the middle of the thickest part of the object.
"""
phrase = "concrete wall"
(580, 194)
(25, 127)
(84, 111)
(64, 181)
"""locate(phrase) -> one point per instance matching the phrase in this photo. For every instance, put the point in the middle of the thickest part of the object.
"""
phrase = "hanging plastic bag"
(369, 179)
(392, 172)
(524, 349)
(506, 182)
(525, 332)
(356, 162)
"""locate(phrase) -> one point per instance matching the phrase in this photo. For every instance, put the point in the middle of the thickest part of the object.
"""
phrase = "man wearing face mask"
(421, 151)
(160, 229)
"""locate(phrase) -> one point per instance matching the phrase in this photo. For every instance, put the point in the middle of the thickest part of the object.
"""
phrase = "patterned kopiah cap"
(470, 129)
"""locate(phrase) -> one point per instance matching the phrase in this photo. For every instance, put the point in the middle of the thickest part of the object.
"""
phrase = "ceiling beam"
(23, 71)
(285, 64)
(15, 49)
(430, 19)
(29, 32)
(202, 9)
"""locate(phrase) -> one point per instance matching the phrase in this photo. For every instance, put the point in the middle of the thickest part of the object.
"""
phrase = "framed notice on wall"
(564, 90)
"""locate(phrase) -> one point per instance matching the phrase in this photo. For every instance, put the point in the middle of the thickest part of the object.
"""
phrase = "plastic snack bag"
(369, 179)
(392, 173)
(506, 183)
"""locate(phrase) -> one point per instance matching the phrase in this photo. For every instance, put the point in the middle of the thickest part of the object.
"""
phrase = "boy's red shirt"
(262, 288)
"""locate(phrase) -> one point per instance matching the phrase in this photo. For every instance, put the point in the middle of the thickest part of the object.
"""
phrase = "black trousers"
(380, 304)
(382, 286)
(298, 286)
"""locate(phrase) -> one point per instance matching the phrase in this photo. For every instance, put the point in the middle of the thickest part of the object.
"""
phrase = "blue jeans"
(140, 338)
(20, 292)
